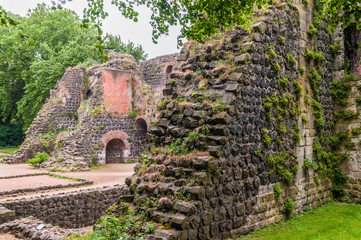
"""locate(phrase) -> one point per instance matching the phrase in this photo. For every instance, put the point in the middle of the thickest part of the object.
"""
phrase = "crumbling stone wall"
(58, 113)
(235, 128)
(156, 73)
(88, 104)
(70, 210)
(350, 144)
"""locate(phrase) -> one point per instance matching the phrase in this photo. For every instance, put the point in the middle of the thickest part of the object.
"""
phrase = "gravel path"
(17, 169)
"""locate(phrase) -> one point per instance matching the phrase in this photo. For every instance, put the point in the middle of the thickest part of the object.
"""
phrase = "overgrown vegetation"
(277, 163)
(277, 190)
(39, 158)
(121, 222)
(340, 92)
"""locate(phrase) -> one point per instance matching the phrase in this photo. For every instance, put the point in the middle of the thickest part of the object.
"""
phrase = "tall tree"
(34, 54)
(115, 43)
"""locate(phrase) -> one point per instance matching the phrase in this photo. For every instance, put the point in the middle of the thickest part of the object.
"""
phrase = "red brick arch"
(115, 134)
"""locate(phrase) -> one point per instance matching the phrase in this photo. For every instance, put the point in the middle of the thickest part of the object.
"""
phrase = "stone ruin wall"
(225, 186)
(59, 111)
(69, 210)
(89, 108)
(156, 73)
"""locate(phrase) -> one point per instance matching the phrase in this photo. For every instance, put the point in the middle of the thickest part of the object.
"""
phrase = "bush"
(277, 190)
(39, 158)
(289, 206)
(11, 135)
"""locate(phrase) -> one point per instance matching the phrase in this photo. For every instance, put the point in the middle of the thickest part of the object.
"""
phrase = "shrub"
(283, 81)
(291, 59)
(271, 52)
(39, 158)
(281, 40)
(296, 134)
(297, 89)
(277, 191)
(276, 66)
(266, 140)
(335, 49)
(277, 165)
(358, 100)
(340, 92)
(308, 163)
(289, 206)
(193, 136)
(302, 69)
(312, 31)
(178, 148)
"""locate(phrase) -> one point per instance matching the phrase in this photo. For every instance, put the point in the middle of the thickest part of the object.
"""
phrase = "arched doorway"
(116, 147)
(168, 70)
(114, 151)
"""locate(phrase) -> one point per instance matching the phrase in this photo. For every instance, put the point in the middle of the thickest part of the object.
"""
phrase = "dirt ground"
(7, 237)
(108, 175)
(31, 182)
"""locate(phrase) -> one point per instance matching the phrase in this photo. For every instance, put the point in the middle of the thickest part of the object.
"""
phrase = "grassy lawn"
(2, 156)
(9, 150)
(331, 221)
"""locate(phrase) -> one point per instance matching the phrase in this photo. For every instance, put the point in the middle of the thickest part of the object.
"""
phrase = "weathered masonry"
(98, 115)
(251, 129)
(247, 129)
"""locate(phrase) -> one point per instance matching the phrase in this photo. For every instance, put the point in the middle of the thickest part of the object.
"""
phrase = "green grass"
(331, 221)
(9, 150)
(2, 156)
(67, 178)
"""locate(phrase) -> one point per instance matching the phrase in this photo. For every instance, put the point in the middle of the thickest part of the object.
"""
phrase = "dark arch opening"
(114, 151)
(352, 49)
(140, 126)
(88, 94)
(168, 70)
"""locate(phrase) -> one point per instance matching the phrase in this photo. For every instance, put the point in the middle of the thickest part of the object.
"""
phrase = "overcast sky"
(139, 33)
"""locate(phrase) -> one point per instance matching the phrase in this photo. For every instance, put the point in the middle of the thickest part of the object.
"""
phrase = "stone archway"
(116, 147)
(114, 151)
(168, 71)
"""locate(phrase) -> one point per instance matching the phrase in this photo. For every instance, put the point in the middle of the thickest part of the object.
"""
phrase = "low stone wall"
(33, 229)
(69, 210)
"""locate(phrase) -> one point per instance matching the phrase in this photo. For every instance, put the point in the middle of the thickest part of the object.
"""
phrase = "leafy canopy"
(202, 18)
(198, 19)
(115, 43)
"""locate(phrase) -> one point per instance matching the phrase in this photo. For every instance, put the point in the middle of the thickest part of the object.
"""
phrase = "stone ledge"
(32, 228)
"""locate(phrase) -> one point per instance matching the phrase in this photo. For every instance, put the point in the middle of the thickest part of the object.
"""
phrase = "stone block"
(242, 58)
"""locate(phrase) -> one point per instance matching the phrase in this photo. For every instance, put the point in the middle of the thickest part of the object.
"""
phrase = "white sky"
(115, 23)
